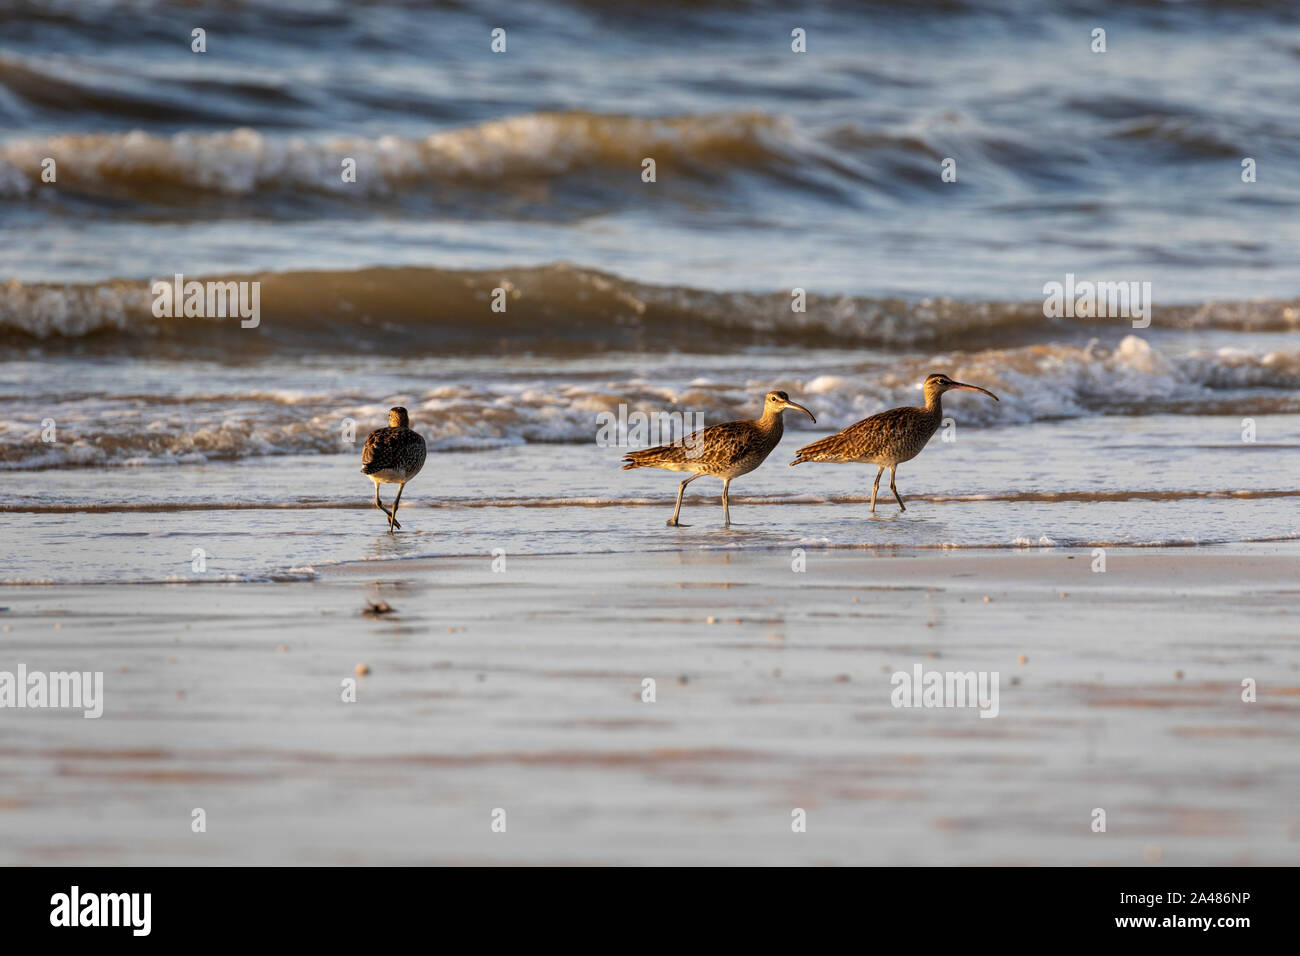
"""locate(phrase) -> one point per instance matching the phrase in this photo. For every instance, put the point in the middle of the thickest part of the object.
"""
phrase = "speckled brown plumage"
(393, 455)
(889, 438)
(724, 451)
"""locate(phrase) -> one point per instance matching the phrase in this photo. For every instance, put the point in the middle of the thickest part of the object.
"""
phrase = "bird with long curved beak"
(889, 438)
(724, 451)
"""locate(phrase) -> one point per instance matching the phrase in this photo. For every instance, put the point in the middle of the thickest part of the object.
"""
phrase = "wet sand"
(521, 689)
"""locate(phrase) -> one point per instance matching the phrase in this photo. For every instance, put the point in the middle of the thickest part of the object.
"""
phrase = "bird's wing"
(732, 439)
(721, 442)
(864, 439)
(377, 447)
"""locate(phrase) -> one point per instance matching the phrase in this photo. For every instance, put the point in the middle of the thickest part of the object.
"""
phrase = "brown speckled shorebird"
(724, 451)
(393, 455)
(889, 438)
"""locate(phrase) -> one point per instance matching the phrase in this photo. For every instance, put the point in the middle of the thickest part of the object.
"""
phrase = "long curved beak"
(789, 404)
(975, 388)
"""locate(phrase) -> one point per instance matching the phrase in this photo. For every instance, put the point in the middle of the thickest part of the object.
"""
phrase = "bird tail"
(655, 457)
(825, 449)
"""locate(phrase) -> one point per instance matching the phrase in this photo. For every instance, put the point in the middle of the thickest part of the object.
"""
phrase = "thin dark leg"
(875, 488)
(895, 490)
(681, 489)
(726, 511)
(396, 501)
(380, 505)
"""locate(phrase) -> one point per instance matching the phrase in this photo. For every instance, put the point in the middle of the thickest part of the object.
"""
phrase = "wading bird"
(724, 451)
(393, 455)
(889, 438)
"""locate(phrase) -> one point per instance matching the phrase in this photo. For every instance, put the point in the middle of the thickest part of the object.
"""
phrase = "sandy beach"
(521, 690)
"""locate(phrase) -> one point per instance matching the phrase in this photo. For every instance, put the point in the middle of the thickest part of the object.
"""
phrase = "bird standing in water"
(724, 451)
(393, 455)
(889, 438)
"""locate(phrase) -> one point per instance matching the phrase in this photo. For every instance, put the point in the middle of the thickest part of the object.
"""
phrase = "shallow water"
(1165, 479)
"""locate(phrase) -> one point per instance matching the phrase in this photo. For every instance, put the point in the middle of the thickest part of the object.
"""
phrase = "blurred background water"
(775, 169)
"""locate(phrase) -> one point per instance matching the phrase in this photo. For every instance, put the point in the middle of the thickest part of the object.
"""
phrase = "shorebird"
(724, 451)
(889, 438)
(393, 455)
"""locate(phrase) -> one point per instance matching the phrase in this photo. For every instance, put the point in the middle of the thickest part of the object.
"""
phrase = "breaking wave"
(1035, 382)
(515, 153)
(556, 309)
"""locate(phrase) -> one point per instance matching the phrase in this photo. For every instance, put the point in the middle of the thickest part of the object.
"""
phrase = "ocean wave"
(1036, 383)
(518, 154)
(536, 165)
(59, 85)
(556, 309)
(545, 164)
(1069, 381)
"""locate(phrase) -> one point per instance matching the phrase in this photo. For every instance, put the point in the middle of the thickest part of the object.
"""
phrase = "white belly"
(389, 476)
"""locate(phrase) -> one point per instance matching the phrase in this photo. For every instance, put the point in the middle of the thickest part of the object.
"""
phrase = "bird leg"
(396, 502)
(681, 489)
(875, 488)
(895, 490)
(380, 505)
(726, 512)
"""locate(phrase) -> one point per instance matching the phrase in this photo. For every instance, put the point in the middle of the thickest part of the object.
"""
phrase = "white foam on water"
(1035, 383)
